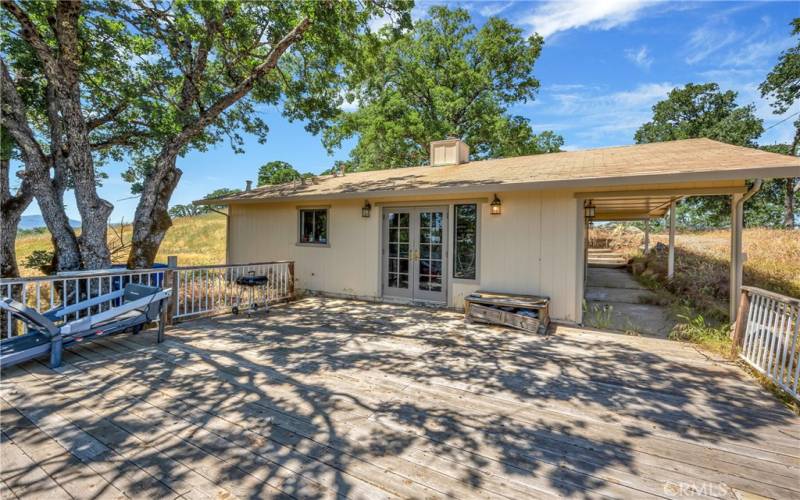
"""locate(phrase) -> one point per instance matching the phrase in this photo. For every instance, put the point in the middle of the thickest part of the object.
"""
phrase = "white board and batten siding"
(529, 248)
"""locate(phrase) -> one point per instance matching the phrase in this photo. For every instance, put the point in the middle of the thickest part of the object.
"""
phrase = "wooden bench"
(484, 307)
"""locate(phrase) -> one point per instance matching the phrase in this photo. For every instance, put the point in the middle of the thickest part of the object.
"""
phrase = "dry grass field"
(702, 263)
(773, 255)
(195, 240)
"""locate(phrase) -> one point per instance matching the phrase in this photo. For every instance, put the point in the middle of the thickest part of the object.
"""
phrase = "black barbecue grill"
(250, 282)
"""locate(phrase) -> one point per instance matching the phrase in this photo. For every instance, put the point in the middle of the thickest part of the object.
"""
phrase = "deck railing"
(197, 290)
(766, 336)
(207, 290)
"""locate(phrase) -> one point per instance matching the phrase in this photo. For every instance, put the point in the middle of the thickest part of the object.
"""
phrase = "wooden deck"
(333, 398)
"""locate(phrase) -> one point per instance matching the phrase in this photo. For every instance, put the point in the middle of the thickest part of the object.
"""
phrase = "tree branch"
(123, 139)
(245, 85)
(32, 35)
(107, 116)
(14, 119)
(66, 30)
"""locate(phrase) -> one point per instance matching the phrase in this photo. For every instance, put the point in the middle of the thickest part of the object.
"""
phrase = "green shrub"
(41, 260)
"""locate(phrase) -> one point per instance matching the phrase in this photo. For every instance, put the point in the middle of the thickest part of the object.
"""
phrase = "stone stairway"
(616, 301)
(605, 257)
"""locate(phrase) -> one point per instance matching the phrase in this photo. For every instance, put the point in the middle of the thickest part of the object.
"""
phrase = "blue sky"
(604, 65)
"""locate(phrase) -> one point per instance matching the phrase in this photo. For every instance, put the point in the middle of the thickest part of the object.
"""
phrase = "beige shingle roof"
(674, 161)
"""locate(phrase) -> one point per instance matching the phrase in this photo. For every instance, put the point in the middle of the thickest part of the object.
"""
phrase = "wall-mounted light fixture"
(588, 209)
(496, 206)
(365, 210)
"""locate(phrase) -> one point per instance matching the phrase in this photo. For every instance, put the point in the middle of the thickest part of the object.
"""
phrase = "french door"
(415, 253)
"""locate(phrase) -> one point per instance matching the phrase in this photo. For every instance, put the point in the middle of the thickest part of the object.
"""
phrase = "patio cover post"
(671, 255)
(737, 222)
(647, 235)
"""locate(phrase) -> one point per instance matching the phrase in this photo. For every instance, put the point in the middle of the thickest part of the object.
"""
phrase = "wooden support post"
(740, 327)
(737, 222)
(170, 281)
(646, 235)
(291, 281)
(671, 256)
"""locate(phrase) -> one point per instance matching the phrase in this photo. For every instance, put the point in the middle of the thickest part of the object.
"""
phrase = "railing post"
(170, 280)
(740, 327)
(291, 281)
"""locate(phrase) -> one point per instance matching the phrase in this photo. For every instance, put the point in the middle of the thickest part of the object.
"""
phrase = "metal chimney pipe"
(248, 185)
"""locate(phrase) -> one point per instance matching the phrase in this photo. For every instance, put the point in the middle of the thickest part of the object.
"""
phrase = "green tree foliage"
(443, 78)
(782, 85)
(65, 76)
(190, 209)
(702, 110)
(208, 65)
(277, 172)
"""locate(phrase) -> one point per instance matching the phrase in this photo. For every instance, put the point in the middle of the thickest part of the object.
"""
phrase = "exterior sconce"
(365, 210)
(496, 206)
(588, 210)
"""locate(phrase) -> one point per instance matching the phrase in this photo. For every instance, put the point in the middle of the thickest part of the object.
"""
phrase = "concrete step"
(642, 319)
(626, 295)
(611, 278)
(607, 265)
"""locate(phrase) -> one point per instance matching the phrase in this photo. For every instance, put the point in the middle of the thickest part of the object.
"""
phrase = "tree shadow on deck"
(339, 396)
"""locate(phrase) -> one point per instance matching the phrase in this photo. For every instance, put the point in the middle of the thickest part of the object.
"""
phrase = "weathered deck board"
(332, 398)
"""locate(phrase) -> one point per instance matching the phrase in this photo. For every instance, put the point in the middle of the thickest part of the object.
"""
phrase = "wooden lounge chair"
(139, 304)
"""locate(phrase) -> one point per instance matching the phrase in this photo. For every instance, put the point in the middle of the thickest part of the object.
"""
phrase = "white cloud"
(494, 8)
(591, 117)
(553, 16)
(735, 47)
(347, 106)
(707, 40)
(640, 57)
(376, 23)
(756, 54)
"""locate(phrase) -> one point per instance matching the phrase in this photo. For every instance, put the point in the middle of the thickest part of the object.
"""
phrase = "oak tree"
(210, 64)
(703, 110)
(445, 77)
(782, 86)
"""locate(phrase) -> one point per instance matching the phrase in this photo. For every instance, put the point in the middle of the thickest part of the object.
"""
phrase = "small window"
(314, 226)
(465, 242)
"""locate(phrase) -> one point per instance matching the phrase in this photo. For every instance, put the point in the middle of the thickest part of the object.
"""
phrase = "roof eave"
(594, 182)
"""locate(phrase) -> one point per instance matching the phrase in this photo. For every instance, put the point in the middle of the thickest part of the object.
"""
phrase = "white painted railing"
(212, 289)
(53, 292)
(197, 290)
(767, 331)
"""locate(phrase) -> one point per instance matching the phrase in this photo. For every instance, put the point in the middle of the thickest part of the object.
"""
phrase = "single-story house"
(436, 233)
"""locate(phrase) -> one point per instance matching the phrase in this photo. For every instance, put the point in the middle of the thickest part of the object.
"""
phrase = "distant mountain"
(34, 221)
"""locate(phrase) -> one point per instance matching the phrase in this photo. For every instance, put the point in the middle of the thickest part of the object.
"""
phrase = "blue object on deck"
(139, 305)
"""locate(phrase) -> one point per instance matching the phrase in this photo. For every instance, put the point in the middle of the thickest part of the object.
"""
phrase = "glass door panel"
(397, 252)
(414, 248)
(429, 270)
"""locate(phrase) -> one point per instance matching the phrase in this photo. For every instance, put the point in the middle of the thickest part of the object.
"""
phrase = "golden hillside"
(195, 240)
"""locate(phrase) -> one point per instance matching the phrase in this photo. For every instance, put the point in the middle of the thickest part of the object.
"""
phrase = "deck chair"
(139, 305)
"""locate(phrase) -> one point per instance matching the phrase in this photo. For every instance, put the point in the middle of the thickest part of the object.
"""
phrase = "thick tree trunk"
(11, 208)
(93, 209)
(48, 192)
(152, 219)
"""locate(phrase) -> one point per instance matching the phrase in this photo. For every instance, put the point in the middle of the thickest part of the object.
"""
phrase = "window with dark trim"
(314, 226)
(465, 241)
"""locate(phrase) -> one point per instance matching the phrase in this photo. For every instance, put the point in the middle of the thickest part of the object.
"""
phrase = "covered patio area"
(334, 398)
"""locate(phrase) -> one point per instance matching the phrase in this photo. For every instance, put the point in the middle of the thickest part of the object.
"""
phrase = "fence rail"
(207, 290)
(766, 336)
(197, 290)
